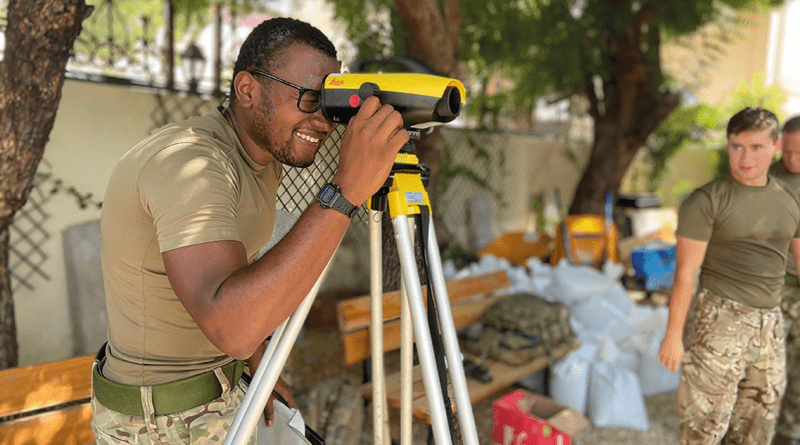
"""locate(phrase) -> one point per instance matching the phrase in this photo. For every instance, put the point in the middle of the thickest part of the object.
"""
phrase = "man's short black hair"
(754, 119)
(268, 39)
(792, 125)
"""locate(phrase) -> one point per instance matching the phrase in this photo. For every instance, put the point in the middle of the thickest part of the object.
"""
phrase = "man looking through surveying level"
(185, 213)
(736, 232)
(788, 170)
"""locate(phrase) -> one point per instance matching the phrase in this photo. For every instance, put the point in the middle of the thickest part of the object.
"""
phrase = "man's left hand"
(283, 390)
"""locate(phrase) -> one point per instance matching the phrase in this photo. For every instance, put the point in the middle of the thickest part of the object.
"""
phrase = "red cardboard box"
(526, 418)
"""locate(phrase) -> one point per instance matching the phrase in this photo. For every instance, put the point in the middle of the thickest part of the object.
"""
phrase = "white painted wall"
(95, 125)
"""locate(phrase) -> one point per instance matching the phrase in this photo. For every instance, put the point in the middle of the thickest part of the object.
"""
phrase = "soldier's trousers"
(789, 420)
(733, 373)
(206, 424)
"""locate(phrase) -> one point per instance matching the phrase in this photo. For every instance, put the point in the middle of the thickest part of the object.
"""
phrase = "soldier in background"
(736, 232)
(788, 169)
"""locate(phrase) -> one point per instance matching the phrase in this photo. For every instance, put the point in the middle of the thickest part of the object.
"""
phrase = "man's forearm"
(679, 301)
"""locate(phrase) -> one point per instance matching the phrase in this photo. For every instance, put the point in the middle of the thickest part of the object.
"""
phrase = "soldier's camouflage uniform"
(789, 421)
(204, 425)
(735, 356)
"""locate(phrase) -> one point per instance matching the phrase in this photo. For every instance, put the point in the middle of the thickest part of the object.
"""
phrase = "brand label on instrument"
(415, 198)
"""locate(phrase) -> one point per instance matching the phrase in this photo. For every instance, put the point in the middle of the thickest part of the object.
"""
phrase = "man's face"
(750, 154)
(281, 130)
(791, 152)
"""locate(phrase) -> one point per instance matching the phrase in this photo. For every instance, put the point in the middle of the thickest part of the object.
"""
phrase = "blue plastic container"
(654, 265)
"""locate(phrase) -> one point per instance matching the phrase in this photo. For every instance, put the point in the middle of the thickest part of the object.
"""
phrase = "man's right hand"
(369, 148)
(671, 352)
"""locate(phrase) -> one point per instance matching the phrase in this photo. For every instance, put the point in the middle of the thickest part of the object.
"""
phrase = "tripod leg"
(380, 421)
(422, 332)
(269, 370)
(466, 419)
(406, 361)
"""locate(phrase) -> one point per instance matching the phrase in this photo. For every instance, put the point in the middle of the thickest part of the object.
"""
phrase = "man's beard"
(282, 154)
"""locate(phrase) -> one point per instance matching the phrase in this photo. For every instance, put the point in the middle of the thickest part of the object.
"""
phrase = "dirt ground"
(316, 358)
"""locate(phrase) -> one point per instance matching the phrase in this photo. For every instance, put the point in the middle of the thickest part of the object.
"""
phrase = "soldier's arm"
(795, 247)
(689, 256)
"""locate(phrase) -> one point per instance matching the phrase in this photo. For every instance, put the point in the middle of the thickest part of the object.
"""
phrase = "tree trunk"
(433, 27)
(39, 38)
(611, 156)
(631, 109)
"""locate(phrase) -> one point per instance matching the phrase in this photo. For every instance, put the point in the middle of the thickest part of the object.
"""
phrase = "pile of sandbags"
(617, 363)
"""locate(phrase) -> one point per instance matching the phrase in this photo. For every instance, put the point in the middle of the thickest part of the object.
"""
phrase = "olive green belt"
(168, 398)
(791, 280)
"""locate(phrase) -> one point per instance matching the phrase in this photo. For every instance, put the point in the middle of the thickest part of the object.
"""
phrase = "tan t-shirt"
(748, 230)
(189, 183)
(793, 180)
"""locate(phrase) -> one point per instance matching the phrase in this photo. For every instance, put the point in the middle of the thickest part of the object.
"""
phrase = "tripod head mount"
(423, 100)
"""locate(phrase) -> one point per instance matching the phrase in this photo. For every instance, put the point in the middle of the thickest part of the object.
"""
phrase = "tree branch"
(591, 94)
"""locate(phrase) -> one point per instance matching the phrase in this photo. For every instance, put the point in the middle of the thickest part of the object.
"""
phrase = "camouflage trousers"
(733, 373)
(789, 420)
(206, 424)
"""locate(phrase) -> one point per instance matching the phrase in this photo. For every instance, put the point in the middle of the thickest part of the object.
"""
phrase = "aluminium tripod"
(406, 199)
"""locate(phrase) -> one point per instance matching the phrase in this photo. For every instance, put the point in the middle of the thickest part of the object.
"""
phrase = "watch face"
(327, 194)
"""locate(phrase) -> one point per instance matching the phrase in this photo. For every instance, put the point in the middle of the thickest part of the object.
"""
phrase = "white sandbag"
(489, 263)
(612, 352)
(627, 359)
(613, 270)
(574, 284)
(569, 378)
(449, 269)
(615, 399)
(541, 275)
(646, 319)
(602, 316)
(654, 378)
(520, 282)
(618, 296)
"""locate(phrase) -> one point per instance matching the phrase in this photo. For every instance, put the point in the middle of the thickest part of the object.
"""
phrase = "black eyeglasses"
(309, 100)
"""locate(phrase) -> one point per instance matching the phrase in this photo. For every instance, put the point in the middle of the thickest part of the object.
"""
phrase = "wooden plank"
(504, 375)
(354, 314)
(356, 345)
(39, 386)
(70, 426)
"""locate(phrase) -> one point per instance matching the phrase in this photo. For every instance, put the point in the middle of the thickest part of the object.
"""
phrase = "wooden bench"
(47, 403)
(469, 298)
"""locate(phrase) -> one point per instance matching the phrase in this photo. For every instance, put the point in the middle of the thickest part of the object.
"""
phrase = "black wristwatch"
(330, 197)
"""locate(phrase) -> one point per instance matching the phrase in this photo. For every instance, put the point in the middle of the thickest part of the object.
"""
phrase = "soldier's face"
(750, 154)
(791, 152)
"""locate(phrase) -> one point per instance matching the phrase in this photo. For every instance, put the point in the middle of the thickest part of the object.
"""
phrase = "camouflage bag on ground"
(520, 328)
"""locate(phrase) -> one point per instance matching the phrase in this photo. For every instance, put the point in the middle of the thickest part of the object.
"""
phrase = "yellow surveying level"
(423, 100)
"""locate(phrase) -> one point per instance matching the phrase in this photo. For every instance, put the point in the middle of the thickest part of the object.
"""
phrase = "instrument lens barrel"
(449, 105)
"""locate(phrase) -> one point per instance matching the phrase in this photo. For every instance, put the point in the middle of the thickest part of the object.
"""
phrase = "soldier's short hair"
(266, 42)
(754, 119)
(792, 125)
